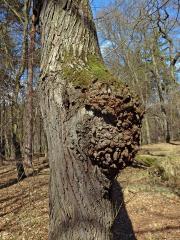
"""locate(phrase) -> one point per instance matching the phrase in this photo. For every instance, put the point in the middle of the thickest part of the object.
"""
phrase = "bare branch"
(14, 12)
(175, 59)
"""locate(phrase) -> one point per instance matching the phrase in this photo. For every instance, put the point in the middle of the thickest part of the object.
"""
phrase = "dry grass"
(24, 205)
(163, 162)
(163, 148)
(150, 204)
(151, 193)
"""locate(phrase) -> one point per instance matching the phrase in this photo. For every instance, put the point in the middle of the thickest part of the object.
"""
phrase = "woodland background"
(140, 47)
(140, 44)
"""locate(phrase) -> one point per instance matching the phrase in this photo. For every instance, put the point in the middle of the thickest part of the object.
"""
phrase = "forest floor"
(150, 196)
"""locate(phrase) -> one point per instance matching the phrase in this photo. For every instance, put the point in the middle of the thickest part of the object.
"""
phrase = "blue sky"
(97, 5)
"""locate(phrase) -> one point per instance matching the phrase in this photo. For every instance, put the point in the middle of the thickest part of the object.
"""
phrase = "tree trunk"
(17, 155)
(90, 119)
(15, 107)
(136, 84)
(161, 98)
(2, 132)
(29, 119)
(148, 138)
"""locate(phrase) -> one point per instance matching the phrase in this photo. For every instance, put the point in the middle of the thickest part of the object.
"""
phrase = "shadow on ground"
(122, 228)
(13, 181)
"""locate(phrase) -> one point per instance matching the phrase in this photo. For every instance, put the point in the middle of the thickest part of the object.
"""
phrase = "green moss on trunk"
(94, 69)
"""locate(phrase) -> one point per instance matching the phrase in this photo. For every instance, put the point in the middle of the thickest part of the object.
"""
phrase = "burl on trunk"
(91, 119)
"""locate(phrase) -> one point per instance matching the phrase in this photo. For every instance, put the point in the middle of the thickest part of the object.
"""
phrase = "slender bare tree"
(29, 118)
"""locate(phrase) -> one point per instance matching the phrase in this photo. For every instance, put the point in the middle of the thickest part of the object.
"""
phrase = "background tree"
(18, 83)
(29, 108)
(140, 48)
(16, 72)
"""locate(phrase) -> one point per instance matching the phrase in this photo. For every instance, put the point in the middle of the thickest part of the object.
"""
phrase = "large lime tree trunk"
(91, 121)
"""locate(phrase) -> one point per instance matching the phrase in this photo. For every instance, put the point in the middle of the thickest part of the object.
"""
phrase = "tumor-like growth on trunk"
(110, 131)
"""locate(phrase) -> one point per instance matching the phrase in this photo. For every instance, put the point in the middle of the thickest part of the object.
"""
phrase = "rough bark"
(16, 148)
(91, 121)
(18, 157)
(2, 132)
